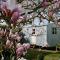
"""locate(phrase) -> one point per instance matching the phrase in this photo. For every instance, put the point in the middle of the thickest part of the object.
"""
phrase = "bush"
(40, 57)
(34, 55)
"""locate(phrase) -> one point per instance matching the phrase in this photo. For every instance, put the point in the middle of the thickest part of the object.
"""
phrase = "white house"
(44, 35)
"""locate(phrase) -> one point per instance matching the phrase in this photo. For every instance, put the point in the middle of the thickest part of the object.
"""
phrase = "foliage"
(58, 45)
(41, 55)
(34, 55)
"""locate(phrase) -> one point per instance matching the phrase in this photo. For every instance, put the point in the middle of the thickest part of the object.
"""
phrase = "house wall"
(43, 35)
(40, 36)
(53, 39)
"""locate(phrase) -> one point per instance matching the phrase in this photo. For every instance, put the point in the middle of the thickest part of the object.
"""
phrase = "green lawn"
(52, 57)
(42, 55)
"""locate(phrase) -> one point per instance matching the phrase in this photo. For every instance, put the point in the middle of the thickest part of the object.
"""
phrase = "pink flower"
(19, 51)
(3, 5)
(18, 38)
(7, 43)
(20, 19)
(14, 17)
(5, 10)
(2, 32)
(50, 13)
(26, 45)
(18, 45)
(45, 4)
(13, 36)
(16, 10)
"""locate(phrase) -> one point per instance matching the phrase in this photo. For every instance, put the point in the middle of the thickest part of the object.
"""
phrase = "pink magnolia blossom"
(18, 38)
(18, 45)
(26, 45)
(50, 13)
(19, 51)
(7, 43)
(2, 32)
(14, 17)
(3, 5)
(45, 4)
(14, 14)
(21, 18)
(13, 36)
(55, 0)
(22, 49)
(16, 10)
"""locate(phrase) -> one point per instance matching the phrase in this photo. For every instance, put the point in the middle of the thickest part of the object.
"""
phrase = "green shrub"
(40, 57)
(34, 55)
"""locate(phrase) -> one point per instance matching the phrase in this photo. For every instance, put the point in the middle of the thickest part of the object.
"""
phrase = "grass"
(42, 55)
(52, 57)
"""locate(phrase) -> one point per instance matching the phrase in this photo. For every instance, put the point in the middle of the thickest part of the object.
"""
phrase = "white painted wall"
(43, 35)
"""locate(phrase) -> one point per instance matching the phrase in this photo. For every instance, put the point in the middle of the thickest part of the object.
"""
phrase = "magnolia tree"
(13, 17)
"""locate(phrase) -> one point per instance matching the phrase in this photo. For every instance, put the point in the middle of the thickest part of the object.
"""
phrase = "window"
(33, 31)
(54, 30)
